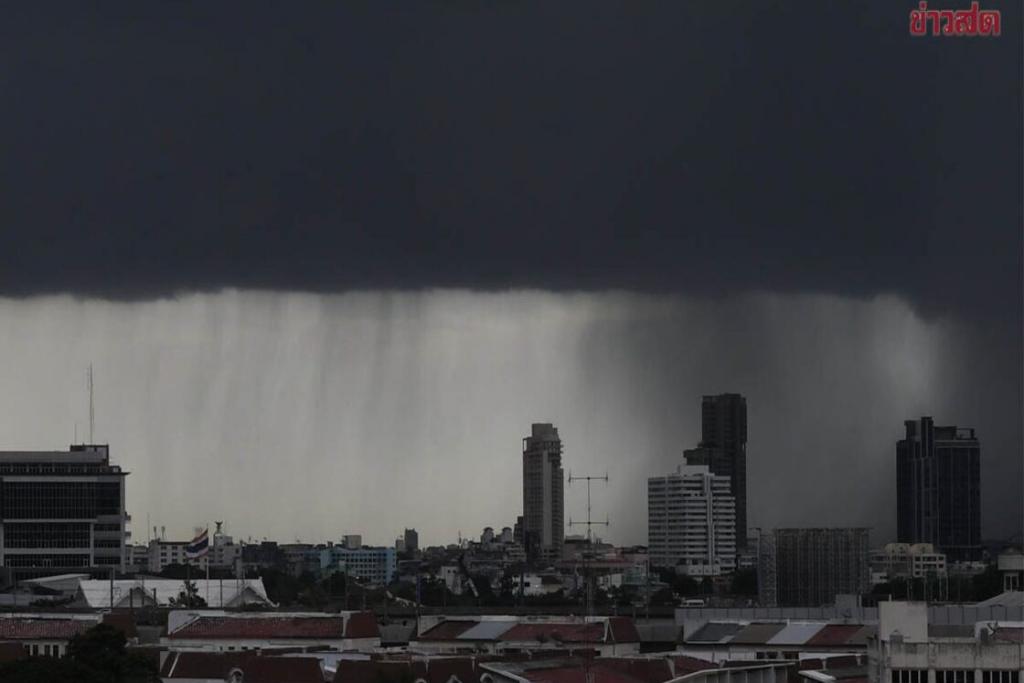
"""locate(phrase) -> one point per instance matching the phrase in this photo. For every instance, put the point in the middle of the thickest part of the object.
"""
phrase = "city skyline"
(339, 259)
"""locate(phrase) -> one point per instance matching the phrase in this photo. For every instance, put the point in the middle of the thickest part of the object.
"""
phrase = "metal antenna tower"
(92, 412)
(588, 551)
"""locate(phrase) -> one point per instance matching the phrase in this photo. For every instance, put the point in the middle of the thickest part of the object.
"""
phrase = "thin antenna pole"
(92, 412)
(589, 588)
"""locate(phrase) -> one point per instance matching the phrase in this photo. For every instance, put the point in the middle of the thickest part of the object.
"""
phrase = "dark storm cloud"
(707, 147)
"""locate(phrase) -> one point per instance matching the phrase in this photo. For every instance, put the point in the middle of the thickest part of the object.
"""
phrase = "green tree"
(99, 655)
(189, 597)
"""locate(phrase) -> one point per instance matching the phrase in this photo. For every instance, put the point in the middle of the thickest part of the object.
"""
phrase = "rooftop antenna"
(92, 412)
(588, 551)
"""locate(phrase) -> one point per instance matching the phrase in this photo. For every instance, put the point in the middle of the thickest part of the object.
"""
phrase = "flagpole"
(208, 565)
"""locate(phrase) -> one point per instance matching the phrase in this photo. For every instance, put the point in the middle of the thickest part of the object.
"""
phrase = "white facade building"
(375, 566)
(910, 650)
(691, 522)
(906, 561)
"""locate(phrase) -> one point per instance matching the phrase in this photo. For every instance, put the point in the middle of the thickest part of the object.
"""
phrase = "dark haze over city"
(319, 256)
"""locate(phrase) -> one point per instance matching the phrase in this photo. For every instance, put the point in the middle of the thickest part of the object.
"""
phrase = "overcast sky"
(314, 249)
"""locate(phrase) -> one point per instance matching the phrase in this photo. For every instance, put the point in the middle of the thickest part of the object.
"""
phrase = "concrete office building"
(691, 522)
(366, 564)
(905, 561)
(909, 648)
(938, 488)
(62, 512)
(810, 567)
(543, 493)
(723, 448)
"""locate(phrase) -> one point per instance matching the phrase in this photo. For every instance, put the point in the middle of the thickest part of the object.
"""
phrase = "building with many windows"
(810, 567)
(62, 512)
(723, 448)
(366, 564)
(691, 522)
(543, 493)
(938, 488)
(906, 561)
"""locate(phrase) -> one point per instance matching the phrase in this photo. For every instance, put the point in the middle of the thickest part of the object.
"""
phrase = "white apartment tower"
(691, 522)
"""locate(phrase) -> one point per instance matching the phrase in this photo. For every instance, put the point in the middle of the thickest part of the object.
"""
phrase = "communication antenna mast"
(92, 412)
(588, 550)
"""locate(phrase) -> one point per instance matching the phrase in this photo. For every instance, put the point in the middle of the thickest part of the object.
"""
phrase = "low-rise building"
(221, 631)
(906, 561)
(45, 634)
(608, 636)
(910, 649)
(218, 667)
(373, 566)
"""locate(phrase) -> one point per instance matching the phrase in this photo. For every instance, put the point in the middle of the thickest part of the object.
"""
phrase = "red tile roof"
(576, 674)
(592, 632)
(433, 670)
(263, 628)
(42, 629)
(362, 625)
(688, 665)
(643, 669)
(255, 669)
(623, 630)
(447, 630)
(834, 634)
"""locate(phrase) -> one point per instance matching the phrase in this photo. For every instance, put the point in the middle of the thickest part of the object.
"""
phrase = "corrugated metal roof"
(486, 630)
(216, 593)
(715, 632)
(861, 636)
(448, 629)
(796, 633)
(834, 634)
(756, 634)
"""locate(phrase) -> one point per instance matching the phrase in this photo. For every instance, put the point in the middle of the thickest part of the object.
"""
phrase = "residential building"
(223, 553)
(909, 648)
(938, 488)
(723, 449)
(810, 567)
(218, 667)
(906, 561)
(220, 631)
(543, 496)
(366, 564)
(691, 522)
(62, 511)
(1011, 565)
(496, 634)
(45, 635)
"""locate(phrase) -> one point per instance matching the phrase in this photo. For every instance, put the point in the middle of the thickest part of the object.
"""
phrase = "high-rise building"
(938, 488)
(412, 541)
(810, 567)
(723, 448)
(691, 522)
(543, 501)
(62, 512)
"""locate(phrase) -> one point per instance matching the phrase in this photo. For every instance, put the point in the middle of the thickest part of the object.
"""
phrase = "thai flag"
(199, 546)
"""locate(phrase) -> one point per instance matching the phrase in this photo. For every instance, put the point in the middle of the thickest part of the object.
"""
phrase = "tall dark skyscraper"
(938, 488)
(543, 498)
(723, 448)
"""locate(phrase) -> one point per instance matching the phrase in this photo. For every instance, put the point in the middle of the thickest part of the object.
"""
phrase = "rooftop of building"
(191, 625)
(254, 668)
(515, 629)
